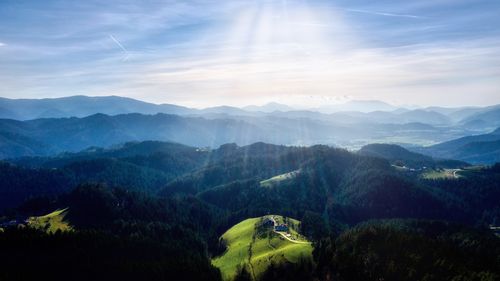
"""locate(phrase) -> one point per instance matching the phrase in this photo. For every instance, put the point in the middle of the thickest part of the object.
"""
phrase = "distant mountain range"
(269, 107)
(81, 106)
(358, 105)
(50, 136)
(483, 148)
(51, 126)
(471, 118)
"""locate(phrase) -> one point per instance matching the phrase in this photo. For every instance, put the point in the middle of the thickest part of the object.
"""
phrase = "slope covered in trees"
(150, 194)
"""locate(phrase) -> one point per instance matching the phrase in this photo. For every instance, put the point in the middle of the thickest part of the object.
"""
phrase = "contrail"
(384, 14)
(121, 47)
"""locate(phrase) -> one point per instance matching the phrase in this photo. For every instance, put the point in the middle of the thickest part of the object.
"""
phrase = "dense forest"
(156, 210)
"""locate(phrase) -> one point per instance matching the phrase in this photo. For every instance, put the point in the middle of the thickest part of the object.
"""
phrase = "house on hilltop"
(281, 228)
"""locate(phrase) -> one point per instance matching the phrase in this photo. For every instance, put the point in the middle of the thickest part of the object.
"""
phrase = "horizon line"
(293, 107)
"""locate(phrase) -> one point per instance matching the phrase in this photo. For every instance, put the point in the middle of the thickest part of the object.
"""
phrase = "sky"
(304, 53)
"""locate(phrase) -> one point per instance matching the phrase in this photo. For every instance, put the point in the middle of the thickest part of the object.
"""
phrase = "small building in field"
(281, 228)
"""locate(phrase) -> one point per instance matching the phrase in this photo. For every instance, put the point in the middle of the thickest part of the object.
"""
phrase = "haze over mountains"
(378, 111)
(51, 126)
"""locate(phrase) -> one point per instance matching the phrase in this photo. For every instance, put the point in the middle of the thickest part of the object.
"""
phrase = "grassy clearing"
(254, 247)
(51, 222)
(437, 174)
(441, 174)
(279, 178)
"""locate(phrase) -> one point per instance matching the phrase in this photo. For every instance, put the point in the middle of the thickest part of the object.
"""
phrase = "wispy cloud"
(386, 14)
(208, 52)
(2, 44)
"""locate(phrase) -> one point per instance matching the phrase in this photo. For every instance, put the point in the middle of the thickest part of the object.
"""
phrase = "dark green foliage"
(121, 211)
(174, 202)
(243, 275)
(313, 225)
(18, 184)
(122, 234)
(410, 250)
(496, 168)
(478, 194)
(367, 194)
(301, 271)
(343, 187)
(89, 255)
(146, 166)
(397, 154)
(231, 163)
(117, 173)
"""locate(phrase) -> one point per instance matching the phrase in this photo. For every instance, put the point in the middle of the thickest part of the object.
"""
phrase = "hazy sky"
(303, 52)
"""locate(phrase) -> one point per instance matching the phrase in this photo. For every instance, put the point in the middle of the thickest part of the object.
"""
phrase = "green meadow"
(51, 222)
(255, 247)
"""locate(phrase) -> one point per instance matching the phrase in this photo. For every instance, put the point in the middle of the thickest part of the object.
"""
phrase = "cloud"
(204, 53)
(2, 44)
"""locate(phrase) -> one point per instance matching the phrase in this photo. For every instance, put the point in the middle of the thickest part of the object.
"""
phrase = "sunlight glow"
(300, 52)
(272, 48)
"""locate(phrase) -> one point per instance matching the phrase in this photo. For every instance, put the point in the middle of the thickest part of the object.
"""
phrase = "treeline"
(29, 254)
(120, 235)
(409, 250)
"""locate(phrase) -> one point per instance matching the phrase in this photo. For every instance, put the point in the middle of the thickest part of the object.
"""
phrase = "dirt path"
(291, 240)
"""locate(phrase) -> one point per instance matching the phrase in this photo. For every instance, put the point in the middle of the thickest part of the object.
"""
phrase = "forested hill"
(400, 156)
(260, 178)
(47, 137)
(474, 149)
(128, 204)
